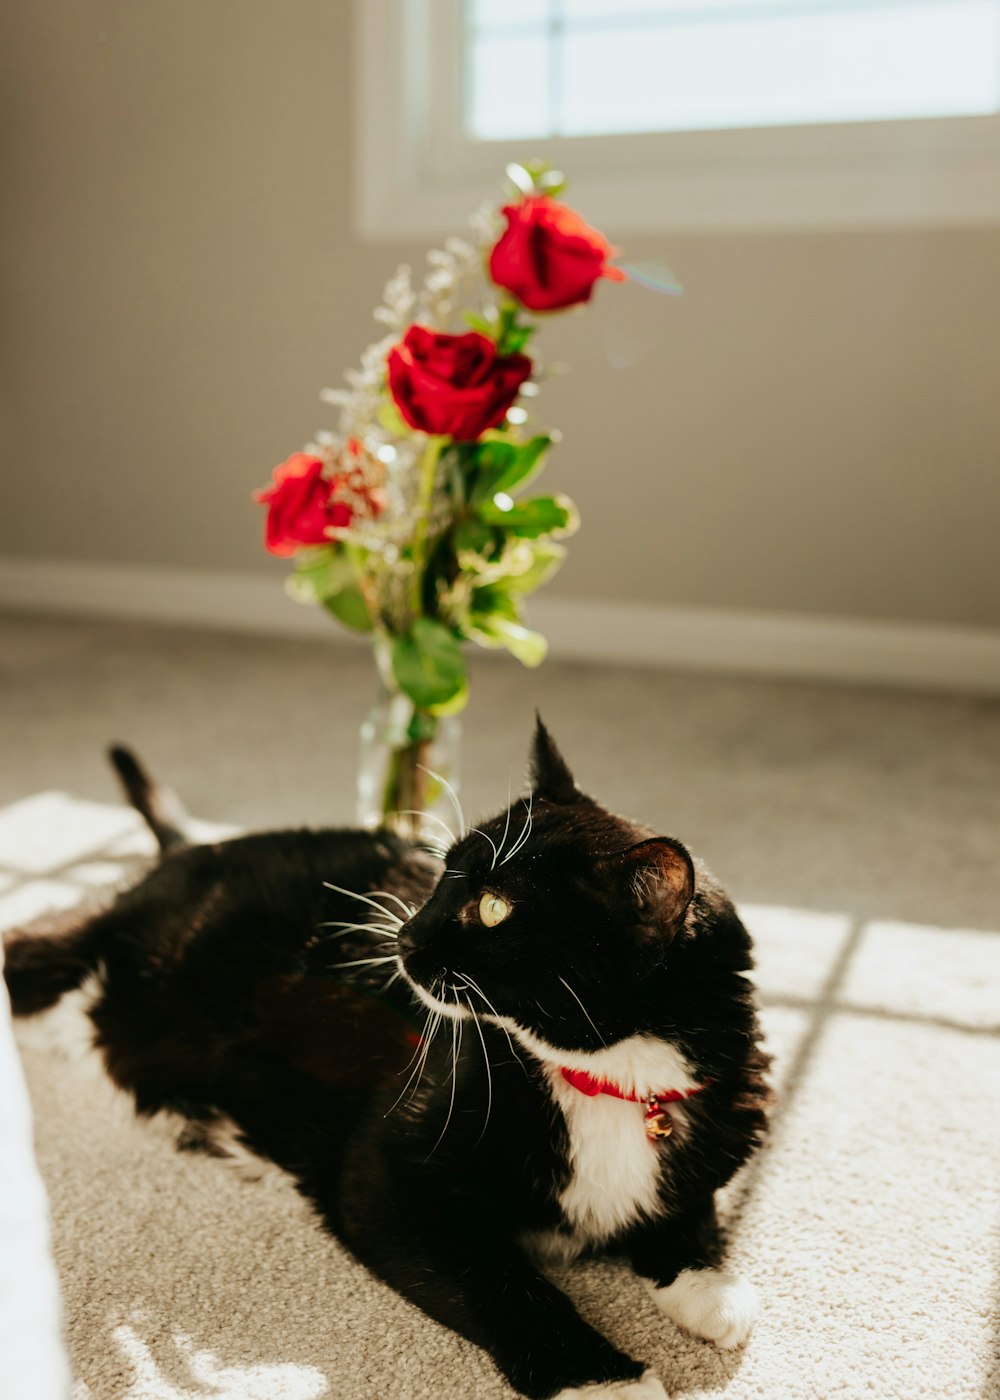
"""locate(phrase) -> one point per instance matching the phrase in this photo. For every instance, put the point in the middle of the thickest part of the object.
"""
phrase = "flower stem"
(425, 496)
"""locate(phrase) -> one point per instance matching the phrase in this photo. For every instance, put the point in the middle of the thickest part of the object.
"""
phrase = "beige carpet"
(860, 832)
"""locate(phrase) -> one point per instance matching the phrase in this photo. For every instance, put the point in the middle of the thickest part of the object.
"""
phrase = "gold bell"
(659, 1124)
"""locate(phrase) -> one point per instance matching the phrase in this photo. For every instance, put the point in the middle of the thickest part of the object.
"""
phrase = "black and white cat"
(547, 1047)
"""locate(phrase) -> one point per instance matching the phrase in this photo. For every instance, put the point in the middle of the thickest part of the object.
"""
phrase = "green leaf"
(456, 704)
(493, 600)
(492, 459)
(529, 647)
(506, 466)
(319, 574)
(326, 576)
(472, 537)
(428, 664)
(348, 606)
(547, 559)
(540, 515)
(528, 461)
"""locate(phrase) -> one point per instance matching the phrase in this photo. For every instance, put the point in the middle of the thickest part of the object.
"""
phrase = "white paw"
(647, 1387)
(712, 1304)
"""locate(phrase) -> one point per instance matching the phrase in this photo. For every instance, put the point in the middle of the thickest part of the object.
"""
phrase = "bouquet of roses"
(413, 522)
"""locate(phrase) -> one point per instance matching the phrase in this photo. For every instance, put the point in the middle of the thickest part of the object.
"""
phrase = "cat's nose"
(416, 931)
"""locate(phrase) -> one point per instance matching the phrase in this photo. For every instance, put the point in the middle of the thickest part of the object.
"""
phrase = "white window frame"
(415, 174)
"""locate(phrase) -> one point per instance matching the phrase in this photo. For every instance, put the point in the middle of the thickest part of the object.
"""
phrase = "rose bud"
(298, 505)
(549, 257)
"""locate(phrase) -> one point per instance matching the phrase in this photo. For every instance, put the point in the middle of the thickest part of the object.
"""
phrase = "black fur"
(224, 990)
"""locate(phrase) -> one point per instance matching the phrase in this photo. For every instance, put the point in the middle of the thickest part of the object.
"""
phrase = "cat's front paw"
(712, 1304)
(647, 1387)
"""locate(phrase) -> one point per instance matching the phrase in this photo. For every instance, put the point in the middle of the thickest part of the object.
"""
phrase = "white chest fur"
(615, 1170)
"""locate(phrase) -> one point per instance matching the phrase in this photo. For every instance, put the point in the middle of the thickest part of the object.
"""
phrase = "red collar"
(591, 1086)
(658, 1121)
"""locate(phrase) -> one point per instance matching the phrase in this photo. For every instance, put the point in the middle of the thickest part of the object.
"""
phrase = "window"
(682, 114)
(590, 67)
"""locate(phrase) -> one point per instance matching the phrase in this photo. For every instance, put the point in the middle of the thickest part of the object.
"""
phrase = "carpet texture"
(859, 832)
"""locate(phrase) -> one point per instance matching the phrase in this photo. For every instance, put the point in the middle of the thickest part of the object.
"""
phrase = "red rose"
(453, 385)
(548, 257)
(299, 511)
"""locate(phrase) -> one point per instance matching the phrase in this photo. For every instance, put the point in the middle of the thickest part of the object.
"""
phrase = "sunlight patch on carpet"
(209, 1375)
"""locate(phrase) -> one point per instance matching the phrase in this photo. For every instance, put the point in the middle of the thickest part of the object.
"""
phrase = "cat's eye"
(493, 910)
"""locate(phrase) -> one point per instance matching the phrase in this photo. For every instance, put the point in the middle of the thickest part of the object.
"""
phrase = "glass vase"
(407, 756)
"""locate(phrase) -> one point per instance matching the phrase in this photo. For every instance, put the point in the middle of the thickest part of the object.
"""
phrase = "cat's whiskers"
(366, 962)
(435, 1019)
(451, 794)
(493, 848)
(408, 909)
(421, 1040)
(353, 894)
(418, 1059)
(470, 982)
(360, 928)
(499, 1019)
(456, 1043)
(432, 1023)
(525, 830)
(506, 828)
(583, 1009)
(431, 817)
(486, 1062)
(420, 1049)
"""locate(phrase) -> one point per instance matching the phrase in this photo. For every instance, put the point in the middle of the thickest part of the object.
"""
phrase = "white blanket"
(32, 1360)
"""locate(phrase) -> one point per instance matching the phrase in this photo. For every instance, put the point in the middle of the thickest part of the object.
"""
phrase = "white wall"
(814, 427)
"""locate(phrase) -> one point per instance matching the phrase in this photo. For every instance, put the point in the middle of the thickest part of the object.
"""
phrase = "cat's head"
(551, 917)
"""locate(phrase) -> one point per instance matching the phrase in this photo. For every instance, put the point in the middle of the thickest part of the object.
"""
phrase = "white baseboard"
(810, 646)
(764, 643)
(227, 599)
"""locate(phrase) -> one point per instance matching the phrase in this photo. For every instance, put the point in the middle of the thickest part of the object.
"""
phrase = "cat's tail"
(55, 954)
(159, 807)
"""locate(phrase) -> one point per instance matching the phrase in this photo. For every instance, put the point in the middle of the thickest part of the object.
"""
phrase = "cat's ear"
(550, 776)
(659, 881)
